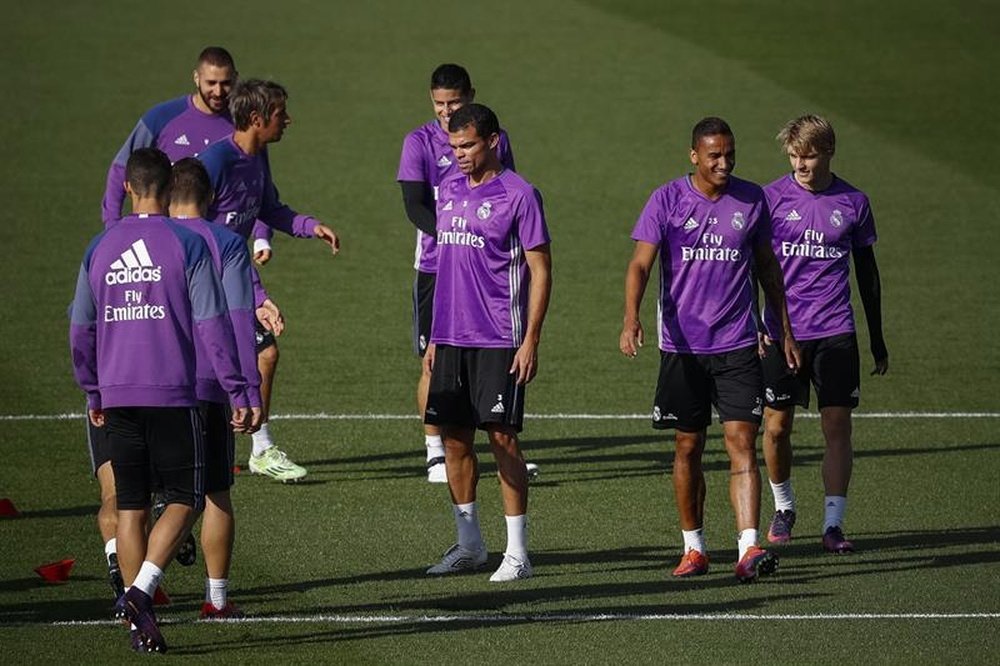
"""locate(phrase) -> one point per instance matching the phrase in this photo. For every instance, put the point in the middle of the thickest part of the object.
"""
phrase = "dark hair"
(709, 127)
(189, 182)
(477, 115)
(148, 172)
(254, 95)
(217, 57)
(451, 77)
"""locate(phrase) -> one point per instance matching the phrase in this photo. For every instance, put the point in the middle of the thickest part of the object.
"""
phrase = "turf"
(598, 98)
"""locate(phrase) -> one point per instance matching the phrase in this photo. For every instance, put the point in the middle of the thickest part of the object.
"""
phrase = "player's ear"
(493, 141)
(194, 77)
(694, 156)
(128, 188)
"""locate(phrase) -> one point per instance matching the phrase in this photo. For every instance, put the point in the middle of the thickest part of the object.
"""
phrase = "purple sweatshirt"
(177, 128)
(146, 290)
(232, 262)
(244, 192)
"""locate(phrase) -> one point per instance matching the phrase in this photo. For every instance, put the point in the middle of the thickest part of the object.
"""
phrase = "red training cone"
(160, 597)
(236, 469)
(8, 510)
(56, 572)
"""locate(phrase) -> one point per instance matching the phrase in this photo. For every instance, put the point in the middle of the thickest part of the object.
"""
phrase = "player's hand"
(261, 257)
(631, 338)
(881, 366)
(96, 417)
(326, 234)
(525, 365)
(239, 419)
(256, 414)
(763, 342)
(428, 362)
(270, 317)
(793, 355)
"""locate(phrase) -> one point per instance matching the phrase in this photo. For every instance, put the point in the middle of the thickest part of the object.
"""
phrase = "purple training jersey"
(244, 192)
(428, 158)
(813, 234)
(706, 248)
(177, 128)
(232, 262)
(180, 130)
(481, 292)
(145, 291)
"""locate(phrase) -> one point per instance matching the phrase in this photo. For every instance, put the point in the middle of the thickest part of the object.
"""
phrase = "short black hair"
(189, 182)
(148, 172)
(477, 115)
(709, 126)
(451, 77)
(217, 57)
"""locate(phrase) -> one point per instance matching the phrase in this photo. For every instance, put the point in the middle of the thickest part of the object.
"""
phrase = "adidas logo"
(856, 393)
(690, 224)
(449, 205)
(498, 408)
(134, 265)
(241, 186)
(182, 140)
(444, 161)
(793, 216)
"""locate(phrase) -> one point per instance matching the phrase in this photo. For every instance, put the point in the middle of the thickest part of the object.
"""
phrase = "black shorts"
(832, 365)
(423, 310)
(689, 384)
(220, 446)
(264, 337)
(472, 387)
(157, 448)
(100, 449)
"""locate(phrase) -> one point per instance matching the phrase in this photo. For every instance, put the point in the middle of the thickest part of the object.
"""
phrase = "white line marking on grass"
(554, 617)
(323, 416)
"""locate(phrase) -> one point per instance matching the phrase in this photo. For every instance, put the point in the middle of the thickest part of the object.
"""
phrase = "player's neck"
(147, 206)
(186, 210)
(710, 190)
(488, 173)
(248, 141)
(818, 185)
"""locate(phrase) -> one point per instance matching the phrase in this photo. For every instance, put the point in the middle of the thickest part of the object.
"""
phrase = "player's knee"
(688, 445)
(777, 431)
(268, 356)
(504, 442)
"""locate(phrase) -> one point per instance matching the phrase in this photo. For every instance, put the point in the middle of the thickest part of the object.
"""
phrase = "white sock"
(149, 578)
(261, 440)
(216, 590)
(834, 511)
(467, 522)
(747, 539)
(110, 548)
(694, 540)
(517, 537)
(435, 447)
(784, 496)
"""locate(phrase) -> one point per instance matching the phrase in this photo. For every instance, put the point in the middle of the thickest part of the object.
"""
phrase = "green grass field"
(599, 98)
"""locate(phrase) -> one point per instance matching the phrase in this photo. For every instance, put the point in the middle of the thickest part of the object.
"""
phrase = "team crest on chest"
(738, 221)
(484, 210)
(837, 218)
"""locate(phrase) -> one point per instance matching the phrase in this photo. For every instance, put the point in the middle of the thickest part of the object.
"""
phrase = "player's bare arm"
(539, 261)
(636, 279)
(773, 283)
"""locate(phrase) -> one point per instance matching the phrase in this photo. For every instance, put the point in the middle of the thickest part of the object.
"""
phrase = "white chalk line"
(324, 416)
(555, 617)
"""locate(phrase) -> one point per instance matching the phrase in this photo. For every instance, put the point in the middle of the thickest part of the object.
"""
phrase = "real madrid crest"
(738, 221)
(484, 210)
(837, 218)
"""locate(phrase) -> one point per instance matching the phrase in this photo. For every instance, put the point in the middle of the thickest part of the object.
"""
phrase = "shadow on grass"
(561, 617)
